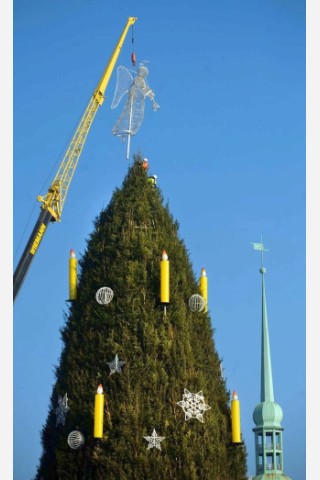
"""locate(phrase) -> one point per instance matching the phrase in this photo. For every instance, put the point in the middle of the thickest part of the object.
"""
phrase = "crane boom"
(53, 201)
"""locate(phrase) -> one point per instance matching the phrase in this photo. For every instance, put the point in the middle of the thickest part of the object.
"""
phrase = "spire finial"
(260, 246)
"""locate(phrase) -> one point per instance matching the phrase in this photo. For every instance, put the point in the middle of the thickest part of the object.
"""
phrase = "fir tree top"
(163, 355)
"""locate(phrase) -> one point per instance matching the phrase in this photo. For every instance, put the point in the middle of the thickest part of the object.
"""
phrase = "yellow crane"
(53, 201)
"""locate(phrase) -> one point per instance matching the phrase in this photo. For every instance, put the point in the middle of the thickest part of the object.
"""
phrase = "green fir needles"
(162, 355)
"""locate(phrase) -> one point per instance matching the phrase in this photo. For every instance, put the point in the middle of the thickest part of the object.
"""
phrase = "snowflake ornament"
(154, 440)
(193, 405)
(62, 409)
(115, 365)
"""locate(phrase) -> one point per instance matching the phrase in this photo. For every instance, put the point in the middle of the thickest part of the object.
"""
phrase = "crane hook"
(133, 55)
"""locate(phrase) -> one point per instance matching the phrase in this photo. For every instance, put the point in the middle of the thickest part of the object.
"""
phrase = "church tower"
(267, 415)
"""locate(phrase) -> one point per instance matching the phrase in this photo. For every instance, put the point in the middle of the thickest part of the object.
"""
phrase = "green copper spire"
(267, 414)
(266, 392)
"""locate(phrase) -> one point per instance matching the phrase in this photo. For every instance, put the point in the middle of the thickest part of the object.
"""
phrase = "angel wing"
(124, 81)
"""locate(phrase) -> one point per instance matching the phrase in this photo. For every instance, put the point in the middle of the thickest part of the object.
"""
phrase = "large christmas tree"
(165, 356)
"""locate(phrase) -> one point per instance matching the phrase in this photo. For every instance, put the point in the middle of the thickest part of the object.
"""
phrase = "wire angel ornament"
(137, 89)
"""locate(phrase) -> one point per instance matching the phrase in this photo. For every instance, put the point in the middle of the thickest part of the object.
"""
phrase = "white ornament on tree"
(104, 295)
(115, 365)
(196, 303)
(154, 440)
(193, 405)
(75, 439)
(62, 409)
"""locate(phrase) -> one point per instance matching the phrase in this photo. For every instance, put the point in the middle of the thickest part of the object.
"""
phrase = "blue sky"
(228, 146)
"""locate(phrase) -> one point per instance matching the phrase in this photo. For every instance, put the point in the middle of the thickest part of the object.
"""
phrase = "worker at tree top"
(145, 164)
(153, 180)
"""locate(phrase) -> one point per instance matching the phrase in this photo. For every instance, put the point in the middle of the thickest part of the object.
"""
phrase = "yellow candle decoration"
(203, 285)
(235, 418)
(72, 276)
(164, 278)
(98, 413)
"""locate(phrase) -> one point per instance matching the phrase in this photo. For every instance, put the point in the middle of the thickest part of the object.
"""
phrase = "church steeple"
(266, 390)
(267, 414)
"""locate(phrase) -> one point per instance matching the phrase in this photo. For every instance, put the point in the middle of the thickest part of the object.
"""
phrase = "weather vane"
(261, 247)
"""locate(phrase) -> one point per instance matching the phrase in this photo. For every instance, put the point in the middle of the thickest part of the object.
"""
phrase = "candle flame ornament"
(235, 418)
(164, 280)
(72, 276)
(193, 405)
(154, 440)
(203, 285)
(98, 413)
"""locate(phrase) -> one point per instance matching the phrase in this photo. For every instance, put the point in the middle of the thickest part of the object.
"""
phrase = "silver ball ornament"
(196, 303)
(75, 439)
(104, 295)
